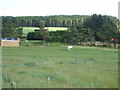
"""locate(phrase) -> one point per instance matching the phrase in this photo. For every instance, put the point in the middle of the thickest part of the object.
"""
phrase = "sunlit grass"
(81, 67)
(26, 30)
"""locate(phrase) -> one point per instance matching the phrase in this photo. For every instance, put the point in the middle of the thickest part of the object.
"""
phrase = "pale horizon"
(58, 7)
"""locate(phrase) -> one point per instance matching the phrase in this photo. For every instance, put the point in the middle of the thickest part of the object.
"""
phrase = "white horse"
(70, 47)
(26, 41)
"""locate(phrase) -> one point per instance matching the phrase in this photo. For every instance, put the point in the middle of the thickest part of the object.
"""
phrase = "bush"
(38, 35)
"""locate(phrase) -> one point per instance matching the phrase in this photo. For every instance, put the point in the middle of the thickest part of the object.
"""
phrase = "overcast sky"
(58, 7)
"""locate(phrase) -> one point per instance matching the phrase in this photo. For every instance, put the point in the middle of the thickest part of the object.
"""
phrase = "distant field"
(82, 67)
(31, 29)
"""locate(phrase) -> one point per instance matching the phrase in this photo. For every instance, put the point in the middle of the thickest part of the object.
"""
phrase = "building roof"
(9, 39)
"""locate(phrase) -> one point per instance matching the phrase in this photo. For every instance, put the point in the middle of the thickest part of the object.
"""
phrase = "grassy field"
(31, 29)
(82, 67)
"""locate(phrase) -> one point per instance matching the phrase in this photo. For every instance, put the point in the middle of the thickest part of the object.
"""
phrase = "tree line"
(95, 28)
(10, 28)
(52, 21)
(80, 27)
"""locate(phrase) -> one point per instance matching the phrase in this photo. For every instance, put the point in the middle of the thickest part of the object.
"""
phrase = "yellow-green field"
(31, 29)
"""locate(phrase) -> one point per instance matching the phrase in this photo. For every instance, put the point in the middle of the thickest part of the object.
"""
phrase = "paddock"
(55, 67)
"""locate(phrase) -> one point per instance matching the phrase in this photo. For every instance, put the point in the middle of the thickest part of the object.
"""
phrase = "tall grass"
(81, 67)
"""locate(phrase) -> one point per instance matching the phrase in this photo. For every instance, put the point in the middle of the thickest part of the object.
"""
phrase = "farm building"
(12, 42)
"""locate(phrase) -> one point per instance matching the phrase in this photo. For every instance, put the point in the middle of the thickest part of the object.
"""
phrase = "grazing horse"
(70, 47)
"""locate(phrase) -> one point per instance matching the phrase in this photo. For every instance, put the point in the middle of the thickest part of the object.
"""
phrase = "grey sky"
(58, 7)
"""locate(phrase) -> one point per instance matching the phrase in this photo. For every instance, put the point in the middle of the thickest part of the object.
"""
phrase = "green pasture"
(31, 29)
(82, 67)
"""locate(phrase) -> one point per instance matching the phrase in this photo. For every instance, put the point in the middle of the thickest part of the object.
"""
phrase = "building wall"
(10, 43)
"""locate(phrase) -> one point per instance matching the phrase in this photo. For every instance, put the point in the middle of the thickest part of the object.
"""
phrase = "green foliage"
(81, 28)
(79, 34)
(41, 24)
(10, 28)
(94, 28)
(103, 27)
(50, 21)
(38, 35)
(72, 35)
(56, 36)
